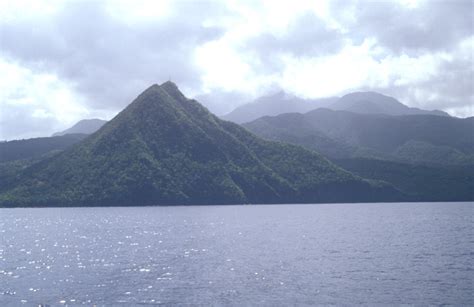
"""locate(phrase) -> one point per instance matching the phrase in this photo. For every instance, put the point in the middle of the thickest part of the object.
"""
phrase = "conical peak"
(169, 87)
(172, 89)
(162, 99)
(169, 84)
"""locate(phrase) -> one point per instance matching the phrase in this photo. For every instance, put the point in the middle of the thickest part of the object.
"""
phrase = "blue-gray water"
(239, 255)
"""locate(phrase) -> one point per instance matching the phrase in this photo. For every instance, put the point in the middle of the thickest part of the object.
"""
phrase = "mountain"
(275, 104)
(36, 147)
(425, 183)
(375, 103)
(358, 102)
(429, 158)
(423, 139)
(85, 126)
(165, 149)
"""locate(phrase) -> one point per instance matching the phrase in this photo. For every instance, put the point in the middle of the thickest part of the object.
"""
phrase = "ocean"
(270, 255)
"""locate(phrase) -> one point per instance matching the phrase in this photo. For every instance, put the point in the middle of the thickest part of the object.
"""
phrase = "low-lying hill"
(36, 147)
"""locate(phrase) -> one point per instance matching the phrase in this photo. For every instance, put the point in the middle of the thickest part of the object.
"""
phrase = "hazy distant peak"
(372, 97)
(373, 102)
(274, 104)
(85, 126)
(281, 94)
(363, 94)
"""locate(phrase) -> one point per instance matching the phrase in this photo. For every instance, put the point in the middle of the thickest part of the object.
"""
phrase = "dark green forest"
(421, 139)
(165, 149)
(428, 157)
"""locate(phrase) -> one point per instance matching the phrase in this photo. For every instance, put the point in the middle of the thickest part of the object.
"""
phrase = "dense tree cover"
(421, 139)
(423, 183)
(36, 147)
(165, 149)
(430, 158)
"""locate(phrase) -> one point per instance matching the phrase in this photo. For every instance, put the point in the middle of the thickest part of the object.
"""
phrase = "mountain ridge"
(36, 147)
(274, 104)
(165, 149)
(357, 102)
(402, 137)
(376, 103)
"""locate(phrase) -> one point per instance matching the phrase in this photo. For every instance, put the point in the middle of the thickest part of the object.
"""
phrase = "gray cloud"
(450, 89)
(106, 59)
(434, 25)
(18, 121)
(308, 35)
(222, 102)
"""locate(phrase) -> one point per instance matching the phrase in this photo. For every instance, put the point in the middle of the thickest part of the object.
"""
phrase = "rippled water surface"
(239, 255)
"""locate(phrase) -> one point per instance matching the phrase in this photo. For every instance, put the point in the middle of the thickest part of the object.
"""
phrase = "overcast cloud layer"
(61, 61)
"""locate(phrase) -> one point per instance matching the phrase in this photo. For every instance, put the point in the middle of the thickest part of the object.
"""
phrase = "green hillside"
(424, 183)
(421, 139)
(165, 149)
(36, 147)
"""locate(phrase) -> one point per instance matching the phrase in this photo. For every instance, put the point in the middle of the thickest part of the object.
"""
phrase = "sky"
(62, 61)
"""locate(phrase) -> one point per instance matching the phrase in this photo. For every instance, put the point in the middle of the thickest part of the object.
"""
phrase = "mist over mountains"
(406, 138)
(376, 103)
(282, 102)
(275, 104)
(357, 102)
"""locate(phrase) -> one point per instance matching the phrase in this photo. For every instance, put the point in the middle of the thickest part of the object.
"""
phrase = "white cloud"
(36, 104)
(328, 75)
(138, 10)
(466, 111)
(66, 60)
(11, 10)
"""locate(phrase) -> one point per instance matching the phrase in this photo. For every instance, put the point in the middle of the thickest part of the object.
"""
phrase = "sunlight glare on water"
(420, 253)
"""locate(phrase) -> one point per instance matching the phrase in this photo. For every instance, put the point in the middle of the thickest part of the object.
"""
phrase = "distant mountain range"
(375, 103)
(281, 102)
(428, 157)
(165, 149)
(85, 126)
(275, 104)
(424, 139)
(358, 102)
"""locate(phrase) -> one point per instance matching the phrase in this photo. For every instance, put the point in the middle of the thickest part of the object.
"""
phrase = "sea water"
(416, 253)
